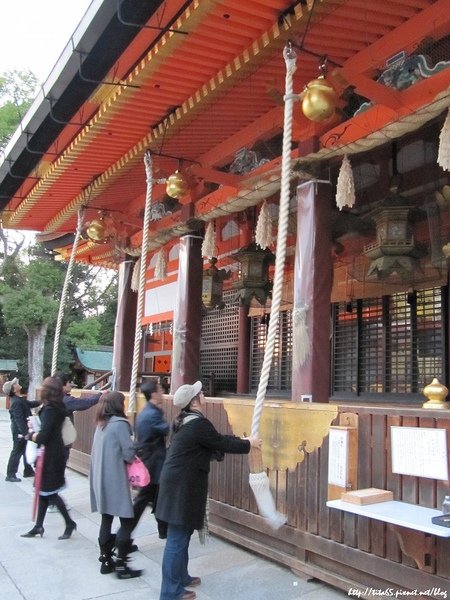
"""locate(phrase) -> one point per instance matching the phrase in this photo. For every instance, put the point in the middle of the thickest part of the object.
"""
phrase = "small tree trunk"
(36, 342)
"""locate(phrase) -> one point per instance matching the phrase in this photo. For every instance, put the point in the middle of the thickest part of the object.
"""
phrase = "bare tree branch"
(7, 244)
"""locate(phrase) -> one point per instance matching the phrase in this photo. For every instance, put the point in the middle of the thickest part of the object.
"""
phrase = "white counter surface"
(397, 513)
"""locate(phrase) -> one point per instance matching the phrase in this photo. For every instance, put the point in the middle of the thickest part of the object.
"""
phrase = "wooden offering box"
(367, 496)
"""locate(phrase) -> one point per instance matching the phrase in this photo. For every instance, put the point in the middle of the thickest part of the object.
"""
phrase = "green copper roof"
(97, 358)
(7, 364)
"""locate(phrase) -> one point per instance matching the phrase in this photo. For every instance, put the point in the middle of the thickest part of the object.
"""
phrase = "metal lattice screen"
(394, 344)
(280, 377)
(219, 344)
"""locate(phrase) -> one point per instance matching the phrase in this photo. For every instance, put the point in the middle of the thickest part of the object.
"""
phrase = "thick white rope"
(62, 302)
(141, 290)
(290, 59)
(259, 482)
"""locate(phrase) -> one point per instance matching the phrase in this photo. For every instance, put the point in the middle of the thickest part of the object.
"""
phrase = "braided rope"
(62, 302)
(141, 290)
(290, 60)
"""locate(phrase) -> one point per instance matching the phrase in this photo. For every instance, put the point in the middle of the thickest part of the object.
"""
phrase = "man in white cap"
(19, 411)
(183, 486)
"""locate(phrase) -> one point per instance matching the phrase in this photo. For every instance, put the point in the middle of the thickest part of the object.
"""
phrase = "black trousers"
(148, 495)
(123, 535)
(18, 452)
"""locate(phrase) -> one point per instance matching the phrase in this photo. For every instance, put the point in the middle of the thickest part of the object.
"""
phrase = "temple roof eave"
(403, 112)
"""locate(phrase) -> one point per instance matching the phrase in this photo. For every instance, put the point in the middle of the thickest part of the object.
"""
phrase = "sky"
(33, 33)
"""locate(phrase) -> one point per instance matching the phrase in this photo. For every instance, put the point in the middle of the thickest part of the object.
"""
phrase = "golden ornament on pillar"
(319, 100)
(96, 230)
(436, 393)
(176, 185)
(446, 250)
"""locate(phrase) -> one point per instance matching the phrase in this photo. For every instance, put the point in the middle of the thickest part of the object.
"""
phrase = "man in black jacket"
(151, 432)
(75, 404)
(19, 411)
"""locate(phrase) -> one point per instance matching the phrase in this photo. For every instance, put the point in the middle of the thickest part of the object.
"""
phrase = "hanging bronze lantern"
(254, 279)
(395, 250)
(212, 287)
(176, 185)
(96, 230)
(319, 100)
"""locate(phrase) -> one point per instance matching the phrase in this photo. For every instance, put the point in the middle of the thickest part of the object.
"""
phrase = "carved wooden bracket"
(421, 547)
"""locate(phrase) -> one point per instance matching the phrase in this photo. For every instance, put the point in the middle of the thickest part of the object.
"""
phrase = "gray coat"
(112, 449)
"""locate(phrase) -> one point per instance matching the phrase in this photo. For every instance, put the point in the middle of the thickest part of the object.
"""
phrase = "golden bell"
(176, 185)
(96, 230)
(319, 100)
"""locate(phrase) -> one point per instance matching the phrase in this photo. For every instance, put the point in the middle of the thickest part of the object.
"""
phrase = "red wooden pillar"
(187, 315)
(125, 323)
(312, 293)
(243, 356)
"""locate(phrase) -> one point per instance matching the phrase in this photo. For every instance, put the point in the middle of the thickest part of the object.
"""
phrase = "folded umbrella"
(38, 479)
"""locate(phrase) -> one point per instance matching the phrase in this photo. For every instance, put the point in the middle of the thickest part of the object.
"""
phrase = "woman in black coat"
(52, 416)
(184, 486)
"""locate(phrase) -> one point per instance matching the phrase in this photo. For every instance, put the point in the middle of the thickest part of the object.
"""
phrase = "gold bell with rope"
(96, 230)
(176, 185)
(319, 100)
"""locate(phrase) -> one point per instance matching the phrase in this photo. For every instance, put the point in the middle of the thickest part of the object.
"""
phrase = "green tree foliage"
(81, 334)
(13, 341)
(107, 319)
(30, 307)
(31, 286)
(17, 92)
(89, 314)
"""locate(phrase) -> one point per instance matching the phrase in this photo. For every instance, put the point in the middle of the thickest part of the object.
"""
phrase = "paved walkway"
(51, 569)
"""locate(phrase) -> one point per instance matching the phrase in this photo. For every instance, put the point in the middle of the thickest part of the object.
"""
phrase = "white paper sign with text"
(419, 451)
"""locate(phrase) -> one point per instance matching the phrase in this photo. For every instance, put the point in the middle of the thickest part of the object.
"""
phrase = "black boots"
(119, 565)
(133, 547)
(123, 571)
(106, 557)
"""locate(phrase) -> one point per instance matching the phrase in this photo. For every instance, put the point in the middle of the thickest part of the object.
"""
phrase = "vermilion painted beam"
(425, 91)
(378, 116)
(431, 22)
(377, 92)
(261, 128)
(216, 176)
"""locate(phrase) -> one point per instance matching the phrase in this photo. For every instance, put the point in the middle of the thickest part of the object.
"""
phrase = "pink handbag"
(138, 475)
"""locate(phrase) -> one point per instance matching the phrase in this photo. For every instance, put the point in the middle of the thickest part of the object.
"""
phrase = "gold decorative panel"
(288, 429)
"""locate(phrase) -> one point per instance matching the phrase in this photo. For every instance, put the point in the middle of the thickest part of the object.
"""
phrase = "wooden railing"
(342, 549)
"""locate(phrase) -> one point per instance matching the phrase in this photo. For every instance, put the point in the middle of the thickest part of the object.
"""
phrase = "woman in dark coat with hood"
(52, 415)
(184, 486)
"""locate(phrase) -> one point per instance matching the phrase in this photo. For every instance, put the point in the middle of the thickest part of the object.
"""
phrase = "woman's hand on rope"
(255, 442)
